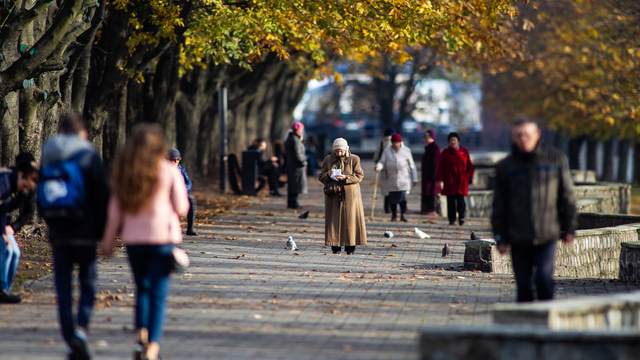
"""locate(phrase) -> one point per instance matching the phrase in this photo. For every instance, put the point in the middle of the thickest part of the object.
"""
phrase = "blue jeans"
(151, 266)
(9, 261)
(525, 258)
(64, 257)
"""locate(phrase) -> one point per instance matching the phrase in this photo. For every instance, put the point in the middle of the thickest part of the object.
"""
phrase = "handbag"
(332, 188)
(179, 259)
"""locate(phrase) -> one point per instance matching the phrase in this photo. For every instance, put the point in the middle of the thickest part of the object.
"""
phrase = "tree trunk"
(575, 144)
(385, 94)
(10, 133)
(624, 149)
(609, 148)
(30, 126)
(636, 163)
(592, 154)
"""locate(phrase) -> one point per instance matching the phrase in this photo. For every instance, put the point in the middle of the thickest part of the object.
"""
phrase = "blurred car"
(412, 132)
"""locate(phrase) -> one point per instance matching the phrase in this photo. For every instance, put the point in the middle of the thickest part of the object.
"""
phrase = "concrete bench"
(504, 342)
(612, 312)
(630, 262)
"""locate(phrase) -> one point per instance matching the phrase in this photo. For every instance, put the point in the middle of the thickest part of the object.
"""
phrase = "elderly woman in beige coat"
(344, 213)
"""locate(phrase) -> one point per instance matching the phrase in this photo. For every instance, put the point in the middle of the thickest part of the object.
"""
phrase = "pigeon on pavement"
(421, 234)
(388, 234)
(291, 244)
(474, 236)
(446, 250)
(304, 215)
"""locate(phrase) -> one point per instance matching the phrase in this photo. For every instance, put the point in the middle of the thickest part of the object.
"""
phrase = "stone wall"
(594, 220)
(630, 262)
(500, 342)
(611, 198)
(594, 254)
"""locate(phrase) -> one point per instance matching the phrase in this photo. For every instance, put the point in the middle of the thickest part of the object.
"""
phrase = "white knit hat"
(340, 144)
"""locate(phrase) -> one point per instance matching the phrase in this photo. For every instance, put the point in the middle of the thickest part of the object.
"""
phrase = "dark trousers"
(394, 208)
(64, 257)
(387, 206)
(151, 266)
(525, 258)
(191, 216)
(456, 204)
(292, 201)
(429, 203)
(273, 176)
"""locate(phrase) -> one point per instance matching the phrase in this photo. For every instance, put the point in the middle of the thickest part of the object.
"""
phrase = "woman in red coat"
(453, 174)
(430, 188)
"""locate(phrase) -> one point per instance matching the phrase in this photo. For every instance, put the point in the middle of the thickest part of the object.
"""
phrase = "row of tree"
(127, 61)
(581, 77)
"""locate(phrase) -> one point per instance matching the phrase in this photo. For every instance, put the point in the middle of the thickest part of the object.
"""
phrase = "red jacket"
(454, 169)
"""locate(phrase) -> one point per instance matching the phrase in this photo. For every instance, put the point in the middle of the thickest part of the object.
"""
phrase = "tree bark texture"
(624, 149)
(609, 152)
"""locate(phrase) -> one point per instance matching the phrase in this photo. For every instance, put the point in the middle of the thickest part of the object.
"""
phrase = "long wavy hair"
(135, 172)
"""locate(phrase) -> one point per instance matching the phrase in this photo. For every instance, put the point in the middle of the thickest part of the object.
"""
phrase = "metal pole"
(223, 118)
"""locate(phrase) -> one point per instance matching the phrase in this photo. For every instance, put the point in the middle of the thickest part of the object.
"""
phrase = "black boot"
(6, 297)
(191, 216)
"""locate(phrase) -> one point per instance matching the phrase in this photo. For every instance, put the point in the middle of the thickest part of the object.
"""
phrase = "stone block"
(505, 342)
(483, 255)
(629, 263)
(612, 312)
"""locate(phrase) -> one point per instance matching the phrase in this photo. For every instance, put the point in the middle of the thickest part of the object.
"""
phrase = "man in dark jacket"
(533, 207)
(175, 157)
(16, 192)
(77, 244)
(296, 164)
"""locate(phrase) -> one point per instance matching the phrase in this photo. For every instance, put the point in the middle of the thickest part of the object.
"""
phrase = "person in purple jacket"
(175, 157)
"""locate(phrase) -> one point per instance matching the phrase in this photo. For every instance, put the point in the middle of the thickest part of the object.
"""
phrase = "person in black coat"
(429, 160)
(296, 163)
(268, 168)
(534, 206)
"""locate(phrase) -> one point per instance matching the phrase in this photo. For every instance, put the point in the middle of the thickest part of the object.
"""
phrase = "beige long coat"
(344, 221)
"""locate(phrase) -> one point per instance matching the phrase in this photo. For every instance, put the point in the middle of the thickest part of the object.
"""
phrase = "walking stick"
(375, 191)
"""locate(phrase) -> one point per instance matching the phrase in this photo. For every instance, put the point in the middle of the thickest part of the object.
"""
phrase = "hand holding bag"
(332, 188)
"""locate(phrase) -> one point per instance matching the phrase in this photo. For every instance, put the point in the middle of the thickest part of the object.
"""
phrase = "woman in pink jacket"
(145, 208)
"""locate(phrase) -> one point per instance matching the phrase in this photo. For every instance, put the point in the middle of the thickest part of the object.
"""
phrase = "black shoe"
(337, 252)
(461, 222)
(139, 352)
(282, 183)
(79, 348)
(191, 232)
(452, 223)
(349, 252)
(403, 218)
(275, 193)
(6, 297)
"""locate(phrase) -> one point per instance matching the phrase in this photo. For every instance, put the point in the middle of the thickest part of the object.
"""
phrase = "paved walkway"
(246, 297)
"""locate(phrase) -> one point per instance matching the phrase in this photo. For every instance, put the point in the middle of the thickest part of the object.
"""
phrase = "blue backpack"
(61, 192)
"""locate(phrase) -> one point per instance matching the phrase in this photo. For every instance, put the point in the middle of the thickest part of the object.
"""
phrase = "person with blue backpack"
(16, 192)
(72, 199)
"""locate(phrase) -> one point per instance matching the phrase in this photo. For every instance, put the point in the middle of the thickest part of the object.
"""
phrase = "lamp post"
(223, 118)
